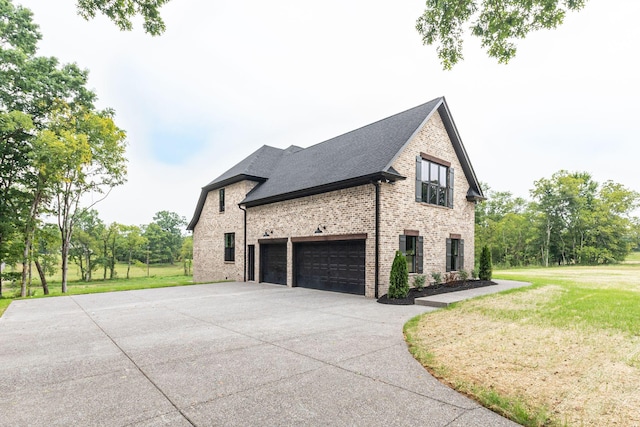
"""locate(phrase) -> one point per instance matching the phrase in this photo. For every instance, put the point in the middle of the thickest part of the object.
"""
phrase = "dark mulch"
(442, 288)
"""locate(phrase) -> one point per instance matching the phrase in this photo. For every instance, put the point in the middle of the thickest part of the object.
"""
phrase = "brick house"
(332, 216)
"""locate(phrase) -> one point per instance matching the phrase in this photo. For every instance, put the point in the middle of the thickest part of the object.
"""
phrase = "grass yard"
(565, 351)
(138, 270)
(4, 303)
(160, 276)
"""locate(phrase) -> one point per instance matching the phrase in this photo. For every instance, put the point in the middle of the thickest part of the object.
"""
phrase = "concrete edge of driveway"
(444, 300)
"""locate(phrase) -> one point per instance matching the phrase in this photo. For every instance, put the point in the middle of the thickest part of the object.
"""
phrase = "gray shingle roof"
(258, 164)
(346, 160)
(360, 153)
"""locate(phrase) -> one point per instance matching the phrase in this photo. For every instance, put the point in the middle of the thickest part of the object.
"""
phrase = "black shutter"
(461, 255)
(448, 253)
(450, 189)
(419, 255)
(403, 244)
(418, 179)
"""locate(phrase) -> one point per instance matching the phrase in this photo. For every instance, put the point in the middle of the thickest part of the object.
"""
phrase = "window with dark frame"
(229, 247)
(455, 254)
(411, 248)
(410, 253)
(221, 193)
(434, 181)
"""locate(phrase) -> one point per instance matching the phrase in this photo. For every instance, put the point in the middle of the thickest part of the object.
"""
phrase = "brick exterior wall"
(400, 211)
(347, 211)
(208, 235)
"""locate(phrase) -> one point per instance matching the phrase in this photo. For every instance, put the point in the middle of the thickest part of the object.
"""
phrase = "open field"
(565, 351)
(158, 276)
(137, 270)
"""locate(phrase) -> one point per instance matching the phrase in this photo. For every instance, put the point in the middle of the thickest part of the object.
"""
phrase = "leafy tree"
(635, 234)
(610, 237)
(131, 242)
(172, 226)
(567, 203)
(186, 254)
(108, 241)
(157, 243)
(498, 24)
(121, 12)
(571, 220)
(93, 162)
(399, 278)
(15, 140)
(46, 252)
(32, 84)
(84, 247)
(503, 223)
(12, 255)
(53, 142)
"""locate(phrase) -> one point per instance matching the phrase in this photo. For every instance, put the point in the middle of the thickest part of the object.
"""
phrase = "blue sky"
(230, 76)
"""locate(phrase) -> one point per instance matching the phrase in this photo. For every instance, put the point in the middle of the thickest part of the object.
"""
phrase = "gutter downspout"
(377, 238)
(245, 242)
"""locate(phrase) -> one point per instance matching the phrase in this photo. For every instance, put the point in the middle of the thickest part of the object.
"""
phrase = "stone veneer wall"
(208, 235)
(400, 211)
(348, 211)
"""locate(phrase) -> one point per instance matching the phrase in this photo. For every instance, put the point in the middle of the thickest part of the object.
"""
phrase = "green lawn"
(565, 351)
(137, 270)
(633, 258)
(4, 303)
(601, 298)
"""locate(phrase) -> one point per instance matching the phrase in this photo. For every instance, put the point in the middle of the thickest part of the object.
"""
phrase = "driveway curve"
(221, 354)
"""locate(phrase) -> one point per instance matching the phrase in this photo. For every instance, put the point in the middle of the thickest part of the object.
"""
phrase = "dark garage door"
(331, 266)
(273, 263)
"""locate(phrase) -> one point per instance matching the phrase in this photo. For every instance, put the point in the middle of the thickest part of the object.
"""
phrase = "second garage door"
(332, 266)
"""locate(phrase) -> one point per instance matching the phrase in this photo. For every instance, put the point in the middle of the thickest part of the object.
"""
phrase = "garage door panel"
(333, 266)
(273, 263)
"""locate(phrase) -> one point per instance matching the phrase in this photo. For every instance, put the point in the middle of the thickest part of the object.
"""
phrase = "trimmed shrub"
(463, 275)
(485, 264)
(437, 277)
(418, 281)
(399, 279)
(473, 274)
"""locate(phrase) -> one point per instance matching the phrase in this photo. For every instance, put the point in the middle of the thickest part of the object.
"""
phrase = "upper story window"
(221, 200)
(434, 181)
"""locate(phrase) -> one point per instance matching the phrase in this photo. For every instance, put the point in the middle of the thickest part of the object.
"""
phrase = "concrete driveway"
(221, 354)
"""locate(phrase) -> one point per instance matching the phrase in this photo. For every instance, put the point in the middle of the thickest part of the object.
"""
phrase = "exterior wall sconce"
(266, 233)
(320, 228)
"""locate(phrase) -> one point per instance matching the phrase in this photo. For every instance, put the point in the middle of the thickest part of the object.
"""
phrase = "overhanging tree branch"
(498, 24)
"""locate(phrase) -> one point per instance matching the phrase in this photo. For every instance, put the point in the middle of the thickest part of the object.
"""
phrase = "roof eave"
(461, 152)
(233, 180)
(352, 182)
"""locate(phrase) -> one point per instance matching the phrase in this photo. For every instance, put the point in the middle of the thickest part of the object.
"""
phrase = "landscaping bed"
(442, 288)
